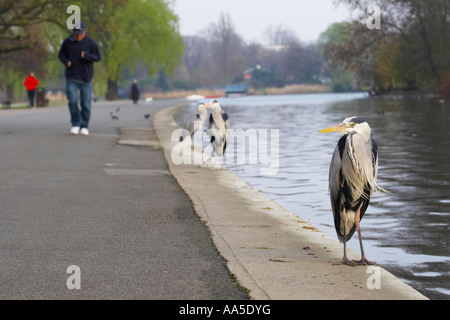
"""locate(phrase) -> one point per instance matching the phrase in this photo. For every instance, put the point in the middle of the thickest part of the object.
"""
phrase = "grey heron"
(197, 122)
(352, 180)
(218, 125)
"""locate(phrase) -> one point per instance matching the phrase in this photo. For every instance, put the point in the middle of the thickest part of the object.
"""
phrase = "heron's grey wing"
(336, 184)
(226, 120)
(335, 177)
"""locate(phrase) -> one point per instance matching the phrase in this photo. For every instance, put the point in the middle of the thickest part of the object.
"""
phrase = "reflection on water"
(407, 231)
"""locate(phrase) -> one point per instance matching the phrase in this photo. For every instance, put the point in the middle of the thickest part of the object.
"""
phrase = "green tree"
(23, 42)
(329, 47)
(162, 80)
(145, 32)
(19, 19)
(413, 42)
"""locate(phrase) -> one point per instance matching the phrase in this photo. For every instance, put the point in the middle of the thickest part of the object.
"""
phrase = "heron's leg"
(345, 260)
(192, 140)
(363, 260)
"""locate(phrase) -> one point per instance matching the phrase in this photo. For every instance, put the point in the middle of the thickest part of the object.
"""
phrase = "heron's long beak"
(210, 103)
(339, 128)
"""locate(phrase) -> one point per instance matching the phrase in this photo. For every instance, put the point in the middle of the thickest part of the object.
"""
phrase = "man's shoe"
(75, 130)
(84, 131)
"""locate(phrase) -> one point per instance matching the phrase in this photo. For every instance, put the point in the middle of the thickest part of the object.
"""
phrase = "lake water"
(406, 231)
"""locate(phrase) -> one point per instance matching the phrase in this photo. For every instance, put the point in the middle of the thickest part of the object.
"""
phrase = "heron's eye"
(353, 124)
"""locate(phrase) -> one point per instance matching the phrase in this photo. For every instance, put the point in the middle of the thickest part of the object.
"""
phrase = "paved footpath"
(106, 204)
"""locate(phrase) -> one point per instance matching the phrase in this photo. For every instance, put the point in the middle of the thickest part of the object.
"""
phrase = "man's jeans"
(79, 118)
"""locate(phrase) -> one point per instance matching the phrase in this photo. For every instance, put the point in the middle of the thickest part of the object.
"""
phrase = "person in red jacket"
(31, 83)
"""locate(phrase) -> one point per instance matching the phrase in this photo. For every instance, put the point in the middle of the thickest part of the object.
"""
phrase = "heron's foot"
(364, 262)
(345, 261)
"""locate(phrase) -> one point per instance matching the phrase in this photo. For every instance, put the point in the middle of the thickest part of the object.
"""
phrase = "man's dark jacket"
(81, 68)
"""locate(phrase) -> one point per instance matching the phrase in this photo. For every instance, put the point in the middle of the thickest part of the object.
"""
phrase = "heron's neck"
(364, 133)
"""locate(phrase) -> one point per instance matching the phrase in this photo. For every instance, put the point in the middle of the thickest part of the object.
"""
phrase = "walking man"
(31, 82)
(78, 53)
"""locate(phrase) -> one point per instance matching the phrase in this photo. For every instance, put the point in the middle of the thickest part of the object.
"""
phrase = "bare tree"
(280, 35)
(226, 48)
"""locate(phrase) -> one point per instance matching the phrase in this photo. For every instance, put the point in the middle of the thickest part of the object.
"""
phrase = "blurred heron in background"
(197, 121)
(218, 124)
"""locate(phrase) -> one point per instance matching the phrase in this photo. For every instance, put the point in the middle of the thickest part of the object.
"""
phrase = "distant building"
(248, 74)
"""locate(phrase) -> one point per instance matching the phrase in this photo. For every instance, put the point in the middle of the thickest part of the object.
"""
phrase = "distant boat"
(236, 90)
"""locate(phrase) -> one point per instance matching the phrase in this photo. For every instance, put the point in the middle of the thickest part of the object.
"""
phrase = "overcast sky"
(252, 18)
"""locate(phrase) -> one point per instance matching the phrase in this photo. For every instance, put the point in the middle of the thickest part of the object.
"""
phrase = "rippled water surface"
(407, 231)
